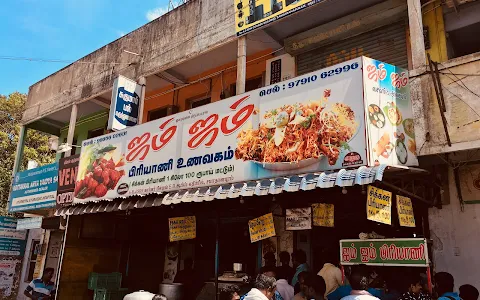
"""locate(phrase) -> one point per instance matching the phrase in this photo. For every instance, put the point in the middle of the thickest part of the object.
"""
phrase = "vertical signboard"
(406, 217)
(125, 105)
(34, 189)
(391, 133)
(67, 174)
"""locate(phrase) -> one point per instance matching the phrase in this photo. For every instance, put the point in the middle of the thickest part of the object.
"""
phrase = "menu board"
(261, 228)
(323, 215)
(379, 205)
(182, 228)
(406, 217)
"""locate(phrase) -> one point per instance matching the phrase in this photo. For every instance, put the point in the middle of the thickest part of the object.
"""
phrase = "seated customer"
(264, 288)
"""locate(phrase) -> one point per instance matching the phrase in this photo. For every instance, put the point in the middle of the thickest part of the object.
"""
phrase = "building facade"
(207, 51)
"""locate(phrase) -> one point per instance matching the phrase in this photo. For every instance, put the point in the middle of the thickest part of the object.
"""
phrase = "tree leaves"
(36, 143)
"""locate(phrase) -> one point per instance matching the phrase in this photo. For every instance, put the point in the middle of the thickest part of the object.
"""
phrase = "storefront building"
(127, 229)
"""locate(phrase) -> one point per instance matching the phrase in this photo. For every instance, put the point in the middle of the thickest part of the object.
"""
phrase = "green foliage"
(36, 143)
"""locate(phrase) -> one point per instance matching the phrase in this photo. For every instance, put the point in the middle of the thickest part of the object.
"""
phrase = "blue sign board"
(12, 241)
(34, 189)
(125, 105)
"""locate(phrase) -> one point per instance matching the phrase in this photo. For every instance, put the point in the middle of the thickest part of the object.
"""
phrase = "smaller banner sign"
(405, 211)
(67, 174)
(298, 218)
(323, 215)
(34, 189)
(379, 205)
(182, 228)
(12, 241)
(7, 275)
(29, 223)
(125, 104)
(385, 252)
(261, 228)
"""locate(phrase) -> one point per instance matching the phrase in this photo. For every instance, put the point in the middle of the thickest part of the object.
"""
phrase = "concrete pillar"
(71, 129)
(143, 82)
(415, 22)
(241, 64)
(18, 157)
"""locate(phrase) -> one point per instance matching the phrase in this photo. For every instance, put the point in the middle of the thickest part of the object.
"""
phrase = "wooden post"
(143, 82)
(419, 58)
(18, 157)
(71, 129)
(241, 64)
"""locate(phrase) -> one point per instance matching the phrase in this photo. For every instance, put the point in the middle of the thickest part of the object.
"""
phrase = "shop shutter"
(387, 44)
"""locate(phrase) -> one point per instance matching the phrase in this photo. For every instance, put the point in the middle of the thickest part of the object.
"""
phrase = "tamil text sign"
(323, 215)
(125, 104)
(387, 252)
(261, 228)
(250, 15)
(379, 205)
(406, 217)
(34, 189)
(12, 241)
(182, 228)
(267, 133)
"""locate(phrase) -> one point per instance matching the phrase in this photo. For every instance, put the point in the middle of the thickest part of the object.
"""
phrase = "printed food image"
(409, 127)
(376, 116)
(393, 114)
(299, 131)
(99, 175)
(412, 146)
(384, 147)
(400, 148)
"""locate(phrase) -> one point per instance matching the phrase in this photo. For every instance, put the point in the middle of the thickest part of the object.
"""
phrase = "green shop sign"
(385, 252)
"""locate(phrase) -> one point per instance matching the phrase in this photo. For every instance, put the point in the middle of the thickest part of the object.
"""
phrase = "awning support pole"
(60, 260)
(217, 260)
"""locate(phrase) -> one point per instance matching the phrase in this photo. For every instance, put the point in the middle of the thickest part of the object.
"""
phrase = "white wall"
(33, 234)
(456, 239)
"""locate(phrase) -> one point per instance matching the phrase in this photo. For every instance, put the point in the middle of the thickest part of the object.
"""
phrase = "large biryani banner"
(311, 123)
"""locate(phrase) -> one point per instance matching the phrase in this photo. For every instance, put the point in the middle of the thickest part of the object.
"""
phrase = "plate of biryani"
(297, 135)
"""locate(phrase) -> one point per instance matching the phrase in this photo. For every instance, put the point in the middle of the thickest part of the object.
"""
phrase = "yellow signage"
(405, 211)
(250, 15)
(261, 228)
(182, 228)
(379, 205)
(323, 214)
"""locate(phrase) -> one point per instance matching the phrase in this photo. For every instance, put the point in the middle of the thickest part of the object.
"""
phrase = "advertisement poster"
(12, 241)
(323, 214)
(182, 228)
(250, 15)
(125, 104)
(405, 211)
(67, 175)
(390, 118)
(34, 189)
(379, 205)
(312, 123)
(385, 252)
(7, 275)
(29, 223)
(261, 228)
(298, 218)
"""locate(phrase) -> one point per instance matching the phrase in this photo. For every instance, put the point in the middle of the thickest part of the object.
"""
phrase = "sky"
(62, 30)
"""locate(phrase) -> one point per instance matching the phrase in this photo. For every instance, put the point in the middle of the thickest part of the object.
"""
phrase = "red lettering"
(165, 138)
(375, 73)
(138, 146)
(202, 130)
(399, 80)
(238, 119)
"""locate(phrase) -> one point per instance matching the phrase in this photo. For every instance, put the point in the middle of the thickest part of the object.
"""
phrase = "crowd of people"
(359, 283)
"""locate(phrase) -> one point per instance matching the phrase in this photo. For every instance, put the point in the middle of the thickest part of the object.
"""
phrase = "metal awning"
(304, 182)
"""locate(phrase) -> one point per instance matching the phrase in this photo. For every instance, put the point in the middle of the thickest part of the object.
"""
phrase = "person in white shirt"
(143, 295)
(283, 287)
(359, 283)
(264, 288)
(332, 276)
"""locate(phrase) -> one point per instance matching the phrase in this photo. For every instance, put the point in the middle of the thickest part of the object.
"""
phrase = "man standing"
(299, 258)
(264, 288)
(332, 276)
(315, 288)
(285, 268)
(42, 288)
(444, 285)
